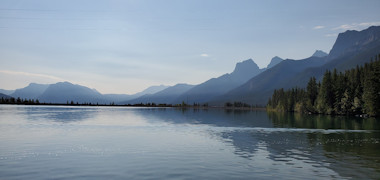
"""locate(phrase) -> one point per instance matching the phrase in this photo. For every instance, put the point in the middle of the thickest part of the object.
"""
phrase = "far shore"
(179, 106)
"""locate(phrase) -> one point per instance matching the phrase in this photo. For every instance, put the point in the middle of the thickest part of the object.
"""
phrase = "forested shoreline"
(353, 92)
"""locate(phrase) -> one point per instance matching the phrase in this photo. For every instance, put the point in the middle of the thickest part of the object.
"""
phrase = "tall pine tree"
(326, 99)
(371, 88)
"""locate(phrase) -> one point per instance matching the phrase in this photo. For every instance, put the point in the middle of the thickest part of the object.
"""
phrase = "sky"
(125, 46)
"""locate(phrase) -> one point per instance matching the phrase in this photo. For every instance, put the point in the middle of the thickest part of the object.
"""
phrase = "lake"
(63, 142)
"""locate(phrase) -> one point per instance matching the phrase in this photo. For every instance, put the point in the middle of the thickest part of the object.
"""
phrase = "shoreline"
(140, 105)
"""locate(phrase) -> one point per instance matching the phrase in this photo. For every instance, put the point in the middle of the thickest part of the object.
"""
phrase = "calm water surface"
(52, 142)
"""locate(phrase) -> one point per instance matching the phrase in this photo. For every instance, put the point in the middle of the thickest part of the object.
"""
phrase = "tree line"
(26, 101)
(353, 92)
(238, 104)
(18, 100)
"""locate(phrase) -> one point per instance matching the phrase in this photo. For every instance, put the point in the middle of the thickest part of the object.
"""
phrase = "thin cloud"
(318, 27)
(355, 26)
(204, 55)
(31, 75)
(345, 27)
(331, 35)
(370, 24)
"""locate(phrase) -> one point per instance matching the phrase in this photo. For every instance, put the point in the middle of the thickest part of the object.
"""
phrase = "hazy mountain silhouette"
(258, 89)
(4, 96)
(166, 96)
(275, 60)
(151, 90)
(115, 98)
(319, 53)
(32, 91)
(123, 98)
(6, 92)
(63, 92)
(217, 86)
(350, 49)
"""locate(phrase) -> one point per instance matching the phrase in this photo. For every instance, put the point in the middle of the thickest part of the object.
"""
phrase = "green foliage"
(355, 92)
(290, 100)
(312, 91)
(326, 96)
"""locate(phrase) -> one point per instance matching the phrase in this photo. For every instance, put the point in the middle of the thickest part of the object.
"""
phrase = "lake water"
(62, 142)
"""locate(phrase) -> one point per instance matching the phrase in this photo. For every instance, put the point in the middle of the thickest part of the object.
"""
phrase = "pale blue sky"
(126, 46)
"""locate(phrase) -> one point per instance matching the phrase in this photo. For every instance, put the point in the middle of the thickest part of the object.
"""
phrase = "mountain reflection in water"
(199, 143)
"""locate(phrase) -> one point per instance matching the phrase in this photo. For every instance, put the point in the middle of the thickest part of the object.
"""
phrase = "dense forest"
(353, 92)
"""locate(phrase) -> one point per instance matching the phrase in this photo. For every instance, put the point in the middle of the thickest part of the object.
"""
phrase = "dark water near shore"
(52, 142)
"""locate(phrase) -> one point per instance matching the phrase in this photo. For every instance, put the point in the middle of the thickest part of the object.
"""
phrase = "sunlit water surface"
(62, 142)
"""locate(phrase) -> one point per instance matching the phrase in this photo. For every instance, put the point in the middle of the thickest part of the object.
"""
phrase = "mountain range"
(64, 92)
(246, 83)
(351, 48)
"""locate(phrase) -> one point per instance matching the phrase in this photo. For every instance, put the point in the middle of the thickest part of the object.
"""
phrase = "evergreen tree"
(312, 93)
(371, 88)
(339, 83)
(325, 101)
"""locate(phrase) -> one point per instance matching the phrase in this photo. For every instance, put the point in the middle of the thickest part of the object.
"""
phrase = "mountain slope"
(319, 53)
(115, 98)
(166, 96)
(351, 42)
(63, 92)
(217, 86)
(6, 92)
(351, 48)
(364, 46)
(124, 98)
(151, 90)
(274, 62)
(32, 91)
(4, 96)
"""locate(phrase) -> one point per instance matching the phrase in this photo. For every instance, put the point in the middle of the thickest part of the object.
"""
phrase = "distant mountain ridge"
(166, 96)
(123, 98)
(274, 61)
(258, 89)
(217, 86)
(4, 96)
(63, 92)
(32, 91)
(319, 53)
(6, 92)
(152, 90)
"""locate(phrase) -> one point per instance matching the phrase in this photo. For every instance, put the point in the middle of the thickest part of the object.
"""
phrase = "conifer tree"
(325, 101)
(312, 92)
(371, 88)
